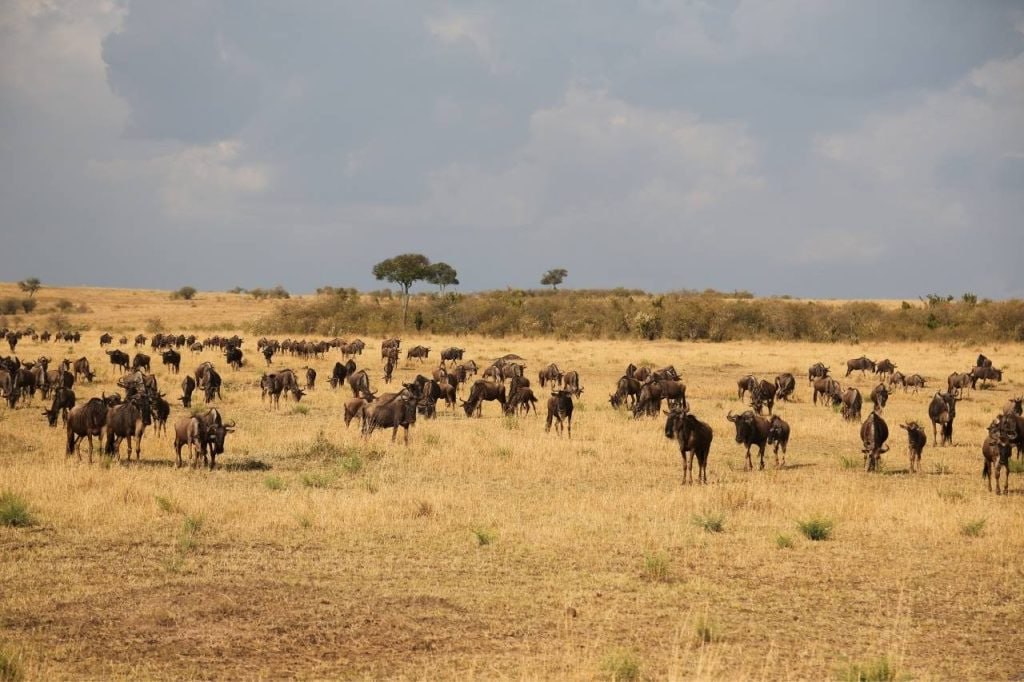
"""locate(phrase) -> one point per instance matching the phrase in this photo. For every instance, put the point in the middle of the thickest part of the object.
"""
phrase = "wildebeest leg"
(569, 419)
(405, 427)
(761, 455)
(749, 464)
(394, 433)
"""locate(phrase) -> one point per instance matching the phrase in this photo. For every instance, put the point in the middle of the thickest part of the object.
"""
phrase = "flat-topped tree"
(554, 277)
(442, 275)
(30, 286)
(403, 270)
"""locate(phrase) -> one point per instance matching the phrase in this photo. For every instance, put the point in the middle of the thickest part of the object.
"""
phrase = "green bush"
(184, 293)
(816, 528)
(14, 511)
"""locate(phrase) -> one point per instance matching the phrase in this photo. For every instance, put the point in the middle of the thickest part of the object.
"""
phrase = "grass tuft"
(1016, 466)
(848, 462)
(974, 528)
(622, 666)
(316, 480)
(352, 463)
(274, 483)
(166, 504)
(878, 670)
(484, 536)
(783, 541)
(656, 567)
(14, 511)
(711, 522)
(816, 528)
(940, 469)
(11, 669)
(424, 509)
(247, 464)
(953, 496)
(300, 410)
(706, 630)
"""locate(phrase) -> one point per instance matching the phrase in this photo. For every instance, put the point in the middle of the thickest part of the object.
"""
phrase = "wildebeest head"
(744, 425)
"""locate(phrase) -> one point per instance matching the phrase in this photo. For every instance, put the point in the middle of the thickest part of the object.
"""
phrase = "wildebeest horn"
(231, 424)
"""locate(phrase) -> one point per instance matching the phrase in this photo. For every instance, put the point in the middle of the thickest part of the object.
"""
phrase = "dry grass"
(483, 551)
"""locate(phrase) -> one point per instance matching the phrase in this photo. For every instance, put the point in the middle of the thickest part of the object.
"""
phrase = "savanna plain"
(489, 548)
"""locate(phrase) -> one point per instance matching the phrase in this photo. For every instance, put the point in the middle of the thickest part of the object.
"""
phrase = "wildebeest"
(897, 378)
(340, 372)
(188, 385)
(996, 451)
(395, 412)
(694, 437)
(125, 422)
(654, 391)
(211, 387)
(81, 367)
(762, 395)
(207, 432)
(560, 411)
(429, 392)
(816, 371)
(571, 382)
(234, 357)
(172, 359)
(448, 394)
(276, 383)
(986, 374)
(356, 347)
(745, 384)
(452, 354)
(440, 373)
(916, 440)
(140, 340)
(884, 368)
(421, 352)
(914, 381)
(268, 354)
(389, 370)
(957, 382)
(667, 372)
(785, 385)
(778, 436)
(521, 398)
(359, 382)
(551, 373)
(751, 429)
(85, 421)
(140, 361)
(484, 390)
(880, 395)
(63, 402)
(1014, 406)
(826, 387)
(851, 404)
(106, 339)
(119, 359)
(310, 378)
(625, 389)
(982, 361)
(873, 434)
(356, 407)
(942, 411)
(862, 363)
(642, 374)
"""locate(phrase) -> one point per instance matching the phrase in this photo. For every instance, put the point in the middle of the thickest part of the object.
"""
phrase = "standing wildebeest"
(275, 384)
(828, 388)
(914, 381)
(916, 440)
(851, 401)
(171, 358)
(744, 384)
(897, 378)
(763, 395)
(341, 371)
(778, 435)
(880, 395)
(119, 359)
(140, 340)
(785, 385)
(551, 373)
(399, 411)
(452, 354)
(873, 434)
(85, 421)
(234, 357)
(862, 363)
(63, 402)
(571, 382)
(996, 451)
(161, 411)
(816, 371)
(884, 368)
(982, 361)
(127, 421)
(106, 340)
(359, 382)
(667, 372)
(521, 398)
(942, 410)
(484, 390)
(957, 382)
(560, 410)
(1014, 406)
(81, 367)
(211, 388)
(268, 354)
(207, 432)
(140, 361)
(626, 388)
(986, 374)
(187, 386)
(310, 378)
(751, 429)
(356, 407)
(694, 438)
(389, 369)
(421, 352)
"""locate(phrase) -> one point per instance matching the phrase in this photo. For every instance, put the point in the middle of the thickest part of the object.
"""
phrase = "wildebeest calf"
(560, 410)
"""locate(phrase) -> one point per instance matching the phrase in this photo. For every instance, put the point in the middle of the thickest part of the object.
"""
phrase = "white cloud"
(453, 28)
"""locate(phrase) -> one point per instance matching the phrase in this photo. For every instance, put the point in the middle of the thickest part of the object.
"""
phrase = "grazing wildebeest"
(127, 421)
(916, 440)
(356, 347)
(630, 370)
(884, 368)
(452, 354)
(85, 421)
(816, 371)
(310, 378)
(942, 410)
(873, 434)
(627, 388)
(982, 361)
(986, 374)
(522, 399)
(560, 411)
(341, 371)
(429, 392)
(862, 363)
(63, 402)
(763, 395)
(106, 340)
(119, 359)
(140, 361)
(751, 429)
(694, 437)
(785, 385)
(745, 384)
(234, 357)
(851, 404)
(914, 381)
(188, 385)
(551, 373)
(211, 388)
(516, 383)
(171, 358)
(275, 384)
(484, 390)
(81, 367)
(897, 378)
(359, 382)
(195, 347)
(826, 387)
(398, 411)
(880, 395)
(571, 382)
(421, 352)
(778, 436)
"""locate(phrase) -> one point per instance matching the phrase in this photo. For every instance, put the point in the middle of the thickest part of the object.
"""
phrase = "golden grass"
(489, 548)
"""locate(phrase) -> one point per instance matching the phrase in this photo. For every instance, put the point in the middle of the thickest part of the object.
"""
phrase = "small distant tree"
(442, 275)
(28, 305)
(554, 277)
(184, 293)
(970, 298)
(30, 286)
(403, 270)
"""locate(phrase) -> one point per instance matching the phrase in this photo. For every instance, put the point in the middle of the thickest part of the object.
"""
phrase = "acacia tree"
(403, 270)
(30, 286)
(442, 275)
(554, 277)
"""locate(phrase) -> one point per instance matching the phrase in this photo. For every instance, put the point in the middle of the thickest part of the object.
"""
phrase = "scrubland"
(488, 548)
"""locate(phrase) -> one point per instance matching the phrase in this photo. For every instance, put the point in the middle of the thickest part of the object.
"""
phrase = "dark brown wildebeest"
(389, 369)
(642, 374)
(12, 340)
(275, 384)
(744, 384)
(982, 361)
(986, 374)
(751, 429)
(694, 437)
(268, 354)
(81, 367)
(916, 440)
(171, 358)
(124, 422)
(211, 388)
(140, 361)
(763, 395)
(234, 357)
(816, 371)
(884, 368)
(630, 370)
(195, 347)
(560, 411)
(340, 372)
(25, 383)
(826, 387)
(356, 348)
(1014, 406)
(7, 389)
(851, 402)
(516, 383)
(421, 352)
(667, 372)
(399, 411)
(627, 388)
(778, 436)
(484, 390)
(957, 382)
(207, 432)
(310, 378)
(429, 392)
(522, 399)
(452, 354)
(202, 372)
(942, 411)
(996, 450)
(63, 402)
(551, 374)
(873, 434)
(880, 395)
(85, 421)
(862, 363)
(140, 340)
(161, 411)
(785, 385)
(571, 382)
(188, 385)
(448, 394)
(649, 401)
(389, 347)
(914, 381)
(897, 378)
(106, 339)
(119, 359)
(359, 382)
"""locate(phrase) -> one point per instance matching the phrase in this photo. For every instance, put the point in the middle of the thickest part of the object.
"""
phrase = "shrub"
(273, 483)
(352, 463)
(974, 528)
(712, 522)
(184, 293)
(9, 306)
(28, 304)
(816, 528)
(424, 509)
(656, 567)
(14, 511)
(64, 305)
(622, 666)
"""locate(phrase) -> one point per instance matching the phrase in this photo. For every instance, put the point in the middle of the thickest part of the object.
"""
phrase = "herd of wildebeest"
(114, 418)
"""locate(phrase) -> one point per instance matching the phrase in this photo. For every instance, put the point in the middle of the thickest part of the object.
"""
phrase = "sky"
(817, 148)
